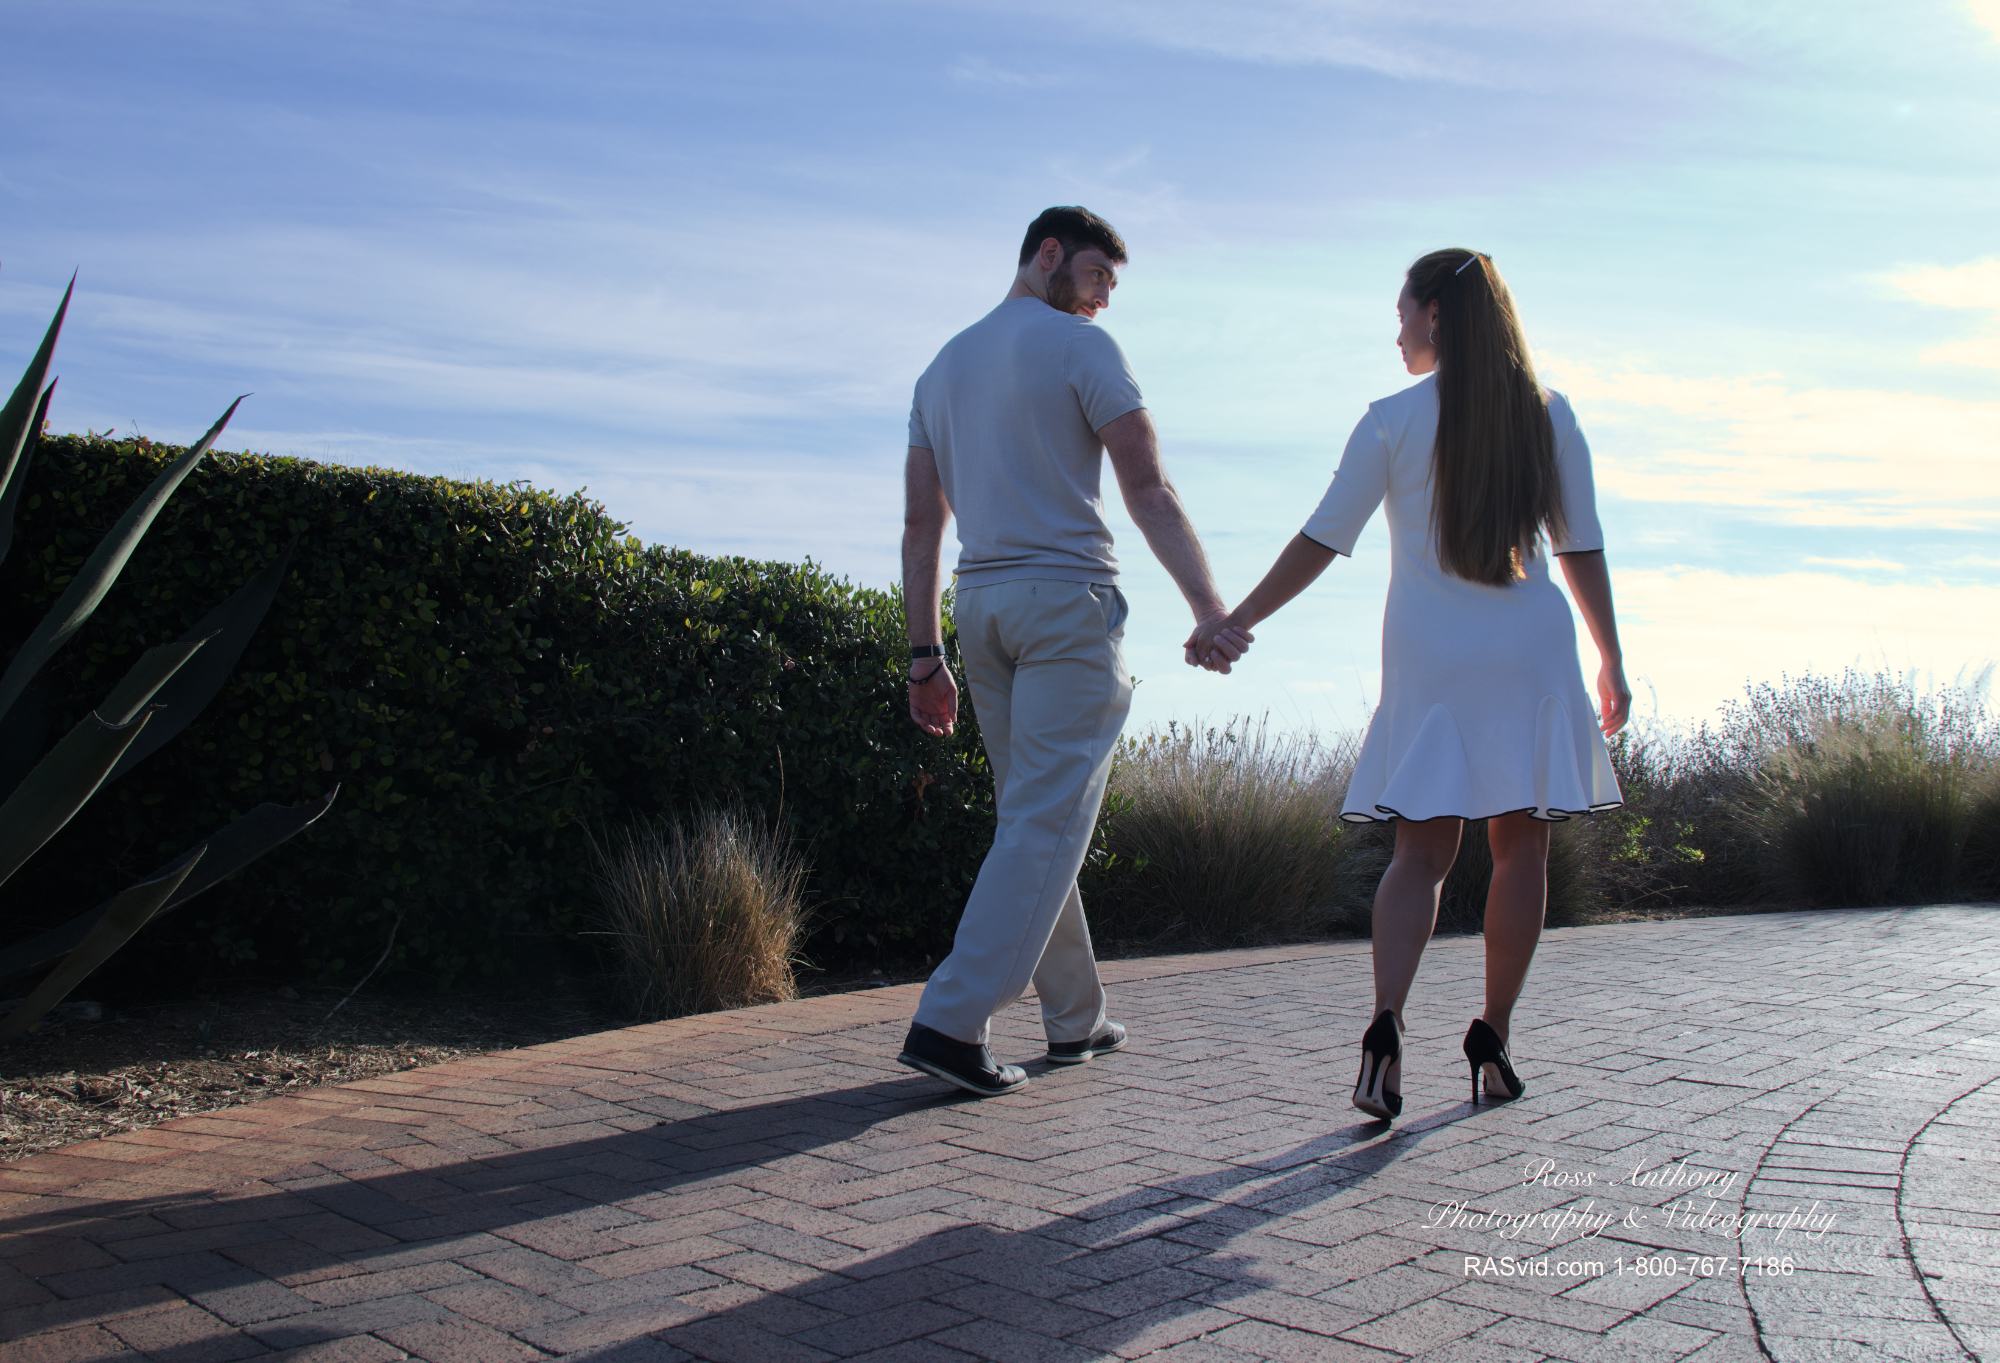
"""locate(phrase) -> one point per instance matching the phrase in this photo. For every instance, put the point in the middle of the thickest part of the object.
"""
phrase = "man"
(1008, 433)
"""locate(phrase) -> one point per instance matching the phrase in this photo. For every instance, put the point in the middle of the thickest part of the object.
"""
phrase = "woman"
(1484, 713)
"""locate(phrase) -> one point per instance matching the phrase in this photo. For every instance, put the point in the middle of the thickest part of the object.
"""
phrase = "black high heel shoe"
(1488, 1053)
(1381, 1047)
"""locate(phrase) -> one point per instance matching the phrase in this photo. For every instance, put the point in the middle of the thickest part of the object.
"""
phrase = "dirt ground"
(92, 1070)
(81, 1076)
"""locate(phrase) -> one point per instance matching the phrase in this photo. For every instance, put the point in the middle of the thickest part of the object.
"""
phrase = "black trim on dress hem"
(1553, 816)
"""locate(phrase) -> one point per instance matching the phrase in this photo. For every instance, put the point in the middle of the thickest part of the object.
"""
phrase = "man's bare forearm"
(1161, 518)
(923, 582)
(1134, 448)
(925, 514)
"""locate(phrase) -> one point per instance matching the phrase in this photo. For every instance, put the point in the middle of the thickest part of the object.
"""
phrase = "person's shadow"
(533, 1218)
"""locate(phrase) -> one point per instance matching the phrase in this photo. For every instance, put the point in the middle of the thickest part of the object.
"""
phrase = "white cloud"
(615, 317)
(1864, 564)
(1963, 286)
(1958, 286)
(1699, 636)
(1985, 13)
(1808, 456)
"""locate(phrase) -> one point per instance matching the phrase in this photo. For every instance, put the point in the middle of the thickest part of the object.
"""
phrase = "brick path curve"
(764, 1186)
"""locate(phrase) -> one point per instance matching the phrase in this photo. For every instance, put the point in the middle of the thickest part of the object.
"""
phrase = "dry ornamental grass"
(701, 915)
(1859, 789)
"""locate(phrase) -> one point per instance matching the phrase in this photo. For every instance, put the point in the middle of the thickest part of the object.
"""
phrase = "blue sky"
(694, 256)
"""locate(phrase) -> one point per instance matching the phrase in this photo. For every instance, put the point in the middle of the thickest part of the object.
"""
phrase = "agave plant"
(164, 690)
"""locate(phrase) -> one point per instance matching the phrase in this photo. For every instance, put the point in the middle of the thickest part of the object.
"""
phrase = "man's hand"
(1614, 698)
(934, 701)
(1216, 643)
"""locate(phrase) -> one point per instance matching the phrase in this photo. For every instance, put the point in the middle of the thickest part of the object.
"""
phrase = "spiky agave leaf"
(24, 734)
(10, 487)
(73, 770)
(18, 423)
(128, 913)
(100, 570)
(230, 849)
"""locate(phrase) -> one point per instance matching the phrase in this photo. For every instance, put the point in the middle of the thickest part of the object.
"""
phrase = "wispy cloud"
(1807, 456)
(1862, 564)
(1456, 41)
(1963, 286)
(1698, 636)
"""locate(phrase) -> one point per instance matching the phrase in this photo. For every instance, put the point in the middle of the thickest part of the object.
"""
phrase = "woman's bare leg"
(1406, 910)
(1516, 903)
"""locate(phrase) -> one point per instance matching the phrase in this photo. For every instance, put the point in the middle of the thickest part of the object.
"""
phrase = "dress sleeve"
(1582, 533)
(1100, 376)
(1358, 486)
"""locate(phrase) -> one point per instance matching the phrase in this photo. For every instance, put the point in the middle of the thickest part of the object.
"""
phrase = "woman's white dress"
(1483, 708)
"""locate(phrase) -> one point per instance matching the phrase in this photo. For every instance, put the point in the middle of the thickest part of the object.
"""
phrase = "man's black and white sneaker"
(959, 1062)
(1112, 1038)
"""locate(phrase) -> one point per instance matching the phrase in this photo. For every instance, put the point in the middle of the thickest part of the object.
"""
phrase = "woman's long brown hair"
(1494, 484)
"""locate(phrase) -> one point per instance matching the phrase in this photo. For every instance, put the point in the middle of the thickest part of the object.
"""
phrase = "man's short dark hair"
(1078, 229)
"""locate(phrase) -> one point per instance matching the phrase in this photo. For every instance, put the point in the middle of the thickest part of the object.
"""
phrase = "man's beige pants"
(1048, 680)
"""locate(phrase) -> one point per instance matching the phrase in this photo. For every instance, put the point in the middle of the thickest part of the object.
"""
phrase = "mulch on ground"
(94, 1071)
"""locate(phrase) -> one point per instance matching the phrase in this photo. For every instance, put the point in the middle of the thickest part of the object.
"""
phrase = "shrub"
(484, 668)
(1979, 862)
(1678, 838)
(1862, 792)
(1225, 837)
(1852, 789)
(700, 915)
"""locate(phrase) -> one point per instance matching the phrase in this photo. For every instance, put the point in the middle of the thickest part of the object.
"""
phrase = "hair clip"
(1468, 260)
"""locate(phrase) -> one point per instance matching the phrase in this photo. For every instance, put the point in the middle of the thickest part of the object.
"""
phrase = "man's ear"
(1050, 254)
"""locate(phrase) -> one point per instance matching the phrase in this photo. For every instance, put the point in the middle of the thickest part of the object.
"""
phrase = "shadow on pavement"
(525, 1218)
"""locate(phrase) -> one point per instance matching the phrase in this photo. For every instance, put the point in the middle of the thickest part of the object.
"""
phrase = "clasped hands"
(1218, 641)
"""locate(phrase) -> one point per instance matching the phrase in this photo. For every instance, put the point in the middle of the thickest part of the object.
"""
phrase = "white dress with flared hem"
(1483, 710)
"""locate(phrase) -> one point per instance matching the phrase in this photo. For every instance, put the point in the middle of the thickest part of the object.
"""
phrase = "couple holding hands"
(1483, 714)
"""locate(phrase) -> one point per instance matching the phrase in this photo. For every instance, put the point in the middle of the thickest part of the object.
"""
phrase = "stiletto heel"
(1488, 1056)
(1381, 1047)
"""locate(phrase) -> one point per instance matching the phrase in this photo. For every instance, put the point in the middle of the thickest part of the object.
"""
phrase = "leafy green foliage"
(486, 669)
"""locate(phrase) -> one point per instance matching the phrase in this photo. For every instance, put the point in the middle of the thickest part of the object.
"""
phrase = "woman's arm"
(1299, 565)
(1590, 583)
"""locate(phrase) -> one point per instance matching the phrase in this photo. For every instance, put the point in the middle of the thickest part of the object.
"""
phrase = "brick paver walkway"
(765, 1186)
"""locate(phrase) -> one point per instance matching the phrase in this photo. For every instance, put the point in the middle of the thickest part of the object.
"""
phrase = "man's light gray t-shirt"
(1011, 407)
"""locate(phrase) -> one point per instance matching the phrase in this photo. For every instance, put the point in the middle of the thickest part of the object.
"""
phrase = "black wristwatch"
(926, 651)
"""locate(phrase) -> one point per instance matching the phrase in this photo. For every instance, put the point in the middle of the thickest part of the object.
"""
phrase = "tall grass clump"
(1979, 860)
(1863, 790)
(1226, 837)
(702, 914)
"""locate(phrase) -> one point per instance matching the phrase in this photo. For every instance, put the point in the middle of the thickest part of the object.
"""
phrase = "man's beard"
(1063, 292)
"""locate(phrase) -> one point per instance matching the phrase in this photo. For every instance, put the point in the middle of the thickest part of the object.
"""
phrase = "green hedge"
(485, 670)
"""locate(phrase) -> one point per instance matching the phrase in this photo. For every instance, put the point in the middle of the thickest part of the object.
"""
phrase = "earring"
(1434, 336)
